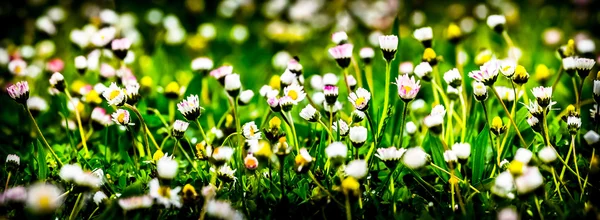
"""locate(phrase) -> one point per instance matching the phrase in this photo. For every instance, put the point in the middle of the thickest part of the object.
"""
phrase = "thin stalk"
(37, 128)
(237, 125)
(556, 183)
(94, 212)
(7, 180)
(187, 157)
(403, 120)
(441, 93)
(509, 116)
(576, 89)
(171, 111)
(369, 76)
(326, 129)
(175, 146)
(560, 72)
(575, 160)
(393, 191)
(357, 72)
(81, 132)
(312, 177)
(294, 131)
(588, 174)
(464, 117)
(346, 80)
(537, 206)
(487, 120)
(348, 210)
(512, 114)
(143, 125)
(386, 98)
(76, 207)
(202, 132)
(281, 178)
(452, 175)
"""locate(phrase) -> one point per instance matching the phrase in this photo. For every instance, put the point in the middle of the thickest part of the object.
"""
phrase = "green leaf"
(437, 152)
(478, 150)
(42, 165)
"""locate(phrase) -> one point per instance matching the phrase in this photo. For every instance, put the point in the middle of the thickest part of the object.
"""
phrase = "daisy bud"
(569, 65)
(189, 193)
(357, 169)
(453, 33)
(434, 123)
(136, 202)
(547, 154)
(342, 54)
(366, 54)
(339, 37)
(462, 151)
(250, 162)
(81, 64)
(330, 79)
(302, 161)
(343, 127)
(487, 74)
(507, 68)
(310, 114)
(389, 46)
(453, 78)
(103, 36)
(390, 156)
(286, 103)
(410, 128)
(99, 198)
(287, 78)
(542, 73)
(221, 155)
(591, 137)
(274, 104)
(351, 82)
(584, 66)
(120, 47)
(450, 156)
(483, 56)
(190, 107)
(596, 91)
(534, 122)
(172, 90)
(530, 180)
(133, 94)
(407, 87)
(424, 35)
(43, 198)
(233, 84)
(357, 116)
(415, 158)
(226, 174)
(542, 95)
(57, 81)
(360, 99)
(179, 128)
(453, 93)
(504, 185)
(282, 148)
(251, 131)
(523, 155)
(337, 153)
(332, 108)
(220, 73)
(497, 126)
(202, 65)
(331, 94)
(586, 47)
(430, 57)
(573, 123)
(100, 119)
(19, 92)
(245, 97)
(358, 135)
(121, 117)
(13, 162)
(423, 71)
(351, 186)
(496, 23)
(294, 66)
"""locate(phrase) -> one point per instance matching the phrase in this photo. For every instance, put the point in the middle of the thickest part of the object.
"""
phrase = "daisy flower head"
(115, 95)
(302, 161)
(294, 66)
(487, 74)
(496, 23)
(357, 116)
(18, 67)
(504, 185)
(535, 109)
(251, 131)
(462, 151)
(584, 66)
(282, 148)
(250, 162)
(424, 35)
(569, 65)
(423, 70)
(480, 91)
(454, 33)
(543, 95)
(389, 46)
(497, 126)
(57, 81)
(295, 93)
(310, 114)
(103, 36)
(120, 47)
(331, 93)
(410, 128)
(453, 78)
(342, 54)
(245, 97)
(453, 93)
(221, 72)
(344, 129)
(415, 158)
(287, 78)
(430, 56)
(268, 91)
(330, 79)
(357, 169)
(507, 67)
(99, 197)
(286, 103)
(202, 65)
(351, 82)
(534, 123)
(81, 64)
(136, 202)
(167, 167)
(122, 117)
(390, 156)
(435, 119)
(547, 154)
(332, 108)
(100, 119)
(226, 174)
(19, 92)
(132, 90)
(406, 67)
(316, 83)
(221, 155)
(13, 162)
(407, 87)
(366, 55)
(37, 105)
(360, 99)
(358, 136)
(43, 198)
(190, 107)
(596, 90)
(233, 84)
(274, 104)
(339, 37)
(530, 180)
(179, 128)
(573, 123)
(450, 156)
(591, 137)
(164, 195)
(337, 152)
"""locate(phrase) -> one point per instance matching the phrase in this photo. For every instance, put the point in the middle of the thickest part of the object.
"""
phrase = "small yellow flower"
(453, 180)
(201, 151)
(275, 82)
(189, 192)
(157, 155)
(275, 123)
(542, 73)
(521, 76)
(453, 33)
(497, 126)
(264, 149)
(229, 121)
(351, 185)
(570, 51)
(146, 81)
(571, 111)
(172, 90)
(429, 55)
(483, 56)
(516, 167)
(77, 85)
(93, 97)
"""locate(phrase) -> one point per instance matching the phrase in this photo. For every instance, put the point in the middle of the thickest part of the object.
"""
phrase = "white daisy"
(390, 154)
(167, 167)
(251, 131)
(164, 195)
(136, 202)
(360, 99)
(357, 169)
(415, 158)
(310, 114)
(43, 198)
(115, 95)
(295, 92)
(547, 154)
(358, 135)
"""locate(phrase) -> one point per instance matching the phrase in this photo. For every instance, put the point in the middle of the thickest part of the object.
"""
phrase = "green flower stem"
(291, 118)
(575, 160)
(369, 76)
(393, 191)
(560, 72)
(588, 174)
(326, 129)
(312, 177)
(155, 111)
(81, 132)
(175, 146)
(37, 128)
(509, 117)
(537, 206)
(143, 125)
(233, 102)
(512, 113)
(403, 120)
(202, 132)
(386, 99)
(450, 128)
(281, 176)
(346, 80)
(94, 212)
(348, 209)
(453, 176)
(76, 208)
(508, 40)
(357, 72)
(464, 117)
(187, 157)
(7, 180)
(556, 183)
(171, 111)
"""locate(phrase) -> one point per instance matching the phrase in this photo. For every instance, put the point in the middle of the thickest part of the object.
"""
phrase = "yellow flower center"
(300, 161)
(189, 190)
(454, 31)
(18, 69)
(293, 94)
(516, 167)
(407, 88)
(252, 131)
(275, 82)
(164, 192)
(496, 123)
(113, 94)
(520, 71)
(44, 202)
(250, 162)
(172, 87)
(429, 54)
(275, 122)
(360, 101)
(157, 155)
(121, 118)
